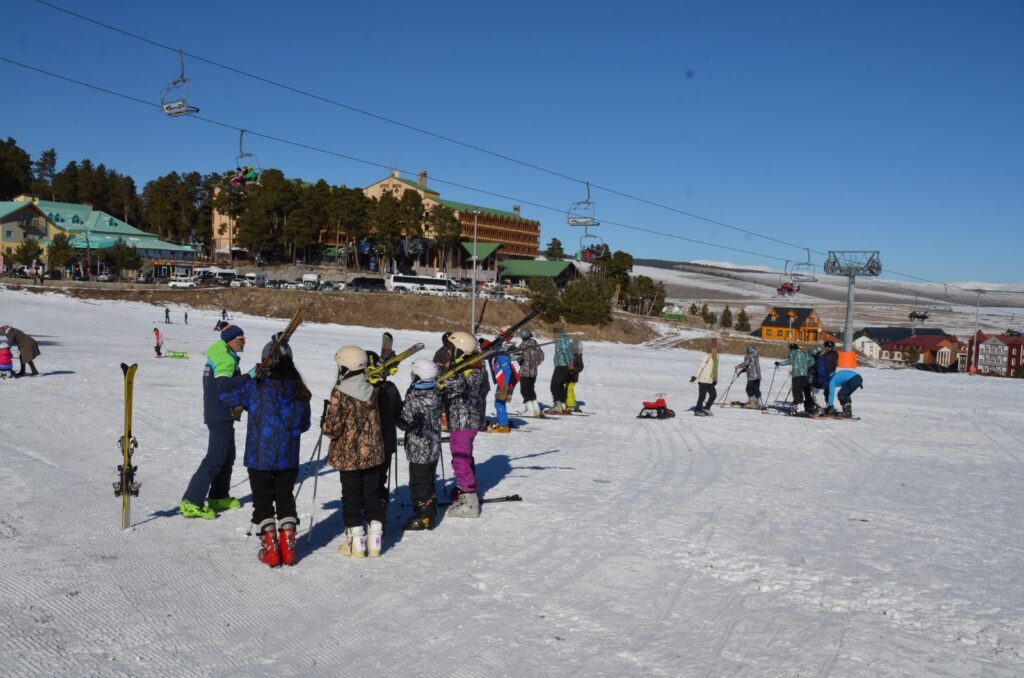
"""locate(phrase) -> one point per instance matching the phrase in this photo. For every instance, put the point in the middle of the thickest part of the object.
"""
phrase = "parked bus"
(222, 276)
(420, 284)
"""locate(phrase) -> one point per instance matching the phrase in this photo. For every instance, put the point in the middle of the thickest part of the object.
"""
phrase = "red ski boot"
(269, 554)
(286, 537)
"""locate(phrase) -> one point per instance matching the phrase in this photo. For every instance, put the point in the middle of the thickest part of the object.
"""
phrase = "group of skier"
(817, 380)
(360, 419)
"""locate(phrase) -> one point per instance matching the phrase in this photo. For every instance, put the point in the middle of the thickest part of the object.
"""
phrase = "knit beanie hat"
(231, 332)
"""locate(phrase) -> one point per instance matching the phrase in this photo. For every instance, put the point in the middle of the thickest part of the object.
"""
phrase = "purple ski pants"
(462, 459)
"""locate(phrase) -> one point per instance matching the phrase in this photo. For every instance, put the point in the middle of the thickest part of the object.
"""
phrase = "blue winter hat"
(231, 332)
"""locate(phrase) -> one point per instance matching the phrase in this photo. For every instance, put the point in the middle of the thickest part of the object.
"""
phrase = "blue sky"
(845, 125)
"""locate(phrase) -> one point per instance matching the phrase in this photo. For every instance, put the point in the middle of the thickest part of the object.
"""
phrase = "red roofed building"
(930, 349)
(998, 354)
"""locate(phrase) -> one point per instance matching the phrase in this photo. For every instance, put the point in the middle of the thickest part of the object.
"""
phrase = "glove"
(776, 363)
(714, 383)
(393, 370)
(693, 379)
(501, 395)
(252, 373)
(236, 413)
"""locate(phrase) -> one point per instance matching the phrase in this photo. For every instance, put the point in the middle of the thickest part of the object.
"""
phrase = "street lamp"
(472, 297)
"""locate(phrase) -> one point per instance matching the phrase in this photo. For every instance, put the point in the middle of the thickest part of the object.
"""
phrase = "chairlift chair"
(803, 271)
(246, 161)
(174, 97)
(581, 213)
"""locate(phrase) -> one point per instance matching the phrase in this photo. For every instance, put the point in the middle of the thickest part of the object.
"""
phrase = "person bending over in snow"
(279, 411)
(352, 424)
(421, 421)
(28, 349)
(462, 396)
(845, 381)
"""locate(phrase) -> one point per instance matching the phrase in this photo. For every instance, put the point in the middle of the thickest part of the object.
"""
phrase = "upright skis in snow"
(126, 487)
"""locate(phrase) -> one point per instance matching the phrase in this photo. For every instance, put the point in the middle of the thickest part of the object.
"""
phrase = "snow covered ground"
(740, 544)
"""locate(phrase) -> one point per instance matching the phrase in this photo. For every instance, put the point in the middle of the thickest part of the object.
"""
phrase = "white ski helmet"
(350, 359)
(464, 343)
(424, 369)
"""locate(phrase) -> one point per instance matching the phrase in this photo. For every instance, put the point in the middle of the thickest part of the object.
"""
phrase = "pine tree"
(726, 320)
(742, 321)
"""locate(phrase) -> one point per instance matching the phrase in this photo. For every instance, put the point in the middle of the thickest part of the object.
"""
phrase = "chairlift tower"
(852, 263)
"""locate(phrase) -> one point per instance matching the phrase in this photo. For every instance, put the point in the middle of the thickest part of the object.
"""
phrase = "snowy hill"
(740, 544)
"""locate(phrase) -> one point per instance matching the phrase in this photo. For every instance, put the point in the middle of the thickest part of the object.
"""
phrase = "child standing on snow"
(6, 359)
(505, 378)
(278, 407)
(158, 342)
(575, 367)
(421, 421)
(352, 424)
(706, 378)
(389, 404)
(752, 366)
(529, 363)
(462, 398)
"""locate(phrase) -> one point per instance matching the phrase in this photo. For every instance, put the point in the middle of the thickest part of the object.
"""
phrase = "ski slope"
(735, 545)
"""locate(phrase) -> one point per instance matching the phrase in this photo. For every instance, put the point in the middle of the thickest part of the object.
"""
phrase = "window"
(8, 234)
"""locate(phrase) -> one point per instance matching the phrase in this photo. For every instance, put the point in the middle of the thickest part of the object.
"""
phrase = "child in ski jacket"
(389, 403)
(560, 376)
(421, 420)
(752, 366)
(706, 378)
(352, 423)
(463, 401)
(801, 362)
(279, 413)
(505, 378)
(6, 358)
(575, 367)
(529, 363)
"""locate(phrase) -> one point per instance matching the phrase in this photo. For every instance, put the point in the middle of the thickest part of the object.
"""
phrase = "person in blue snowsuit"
(279, 413)
(504, 383)
(821, 374)
(845, 382)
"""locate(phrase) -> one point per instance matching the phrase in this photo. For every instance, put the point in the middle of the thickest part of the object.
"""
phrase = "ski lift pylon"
(174, 97)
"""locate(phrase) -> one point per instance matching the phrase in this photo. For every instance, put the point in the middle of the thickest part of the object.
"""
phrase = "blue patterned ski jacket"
(277, 418)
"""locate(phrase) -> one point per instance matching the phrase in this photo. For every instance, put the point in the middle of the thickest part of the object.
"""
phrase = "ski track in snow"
(733, 545)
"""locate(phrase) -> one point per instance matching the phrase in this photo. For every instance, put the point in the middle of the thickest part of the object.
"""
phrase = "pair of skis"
(126, 486)
(489, 350)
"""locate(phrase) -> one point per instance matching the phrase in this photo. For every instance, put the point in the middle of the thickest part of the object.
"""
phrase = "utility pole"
(472, 304)
(973, 361)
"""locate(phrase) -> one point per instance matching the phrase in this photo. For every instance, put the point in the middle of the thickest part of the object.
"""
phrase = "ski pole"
(764, 404)
(725, 396)
(315, 453)
(316, 478)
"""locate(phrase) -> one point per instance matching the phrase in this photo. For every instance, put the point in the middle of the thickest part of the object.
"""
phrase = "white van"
(420, 285)
(255, 279)
(311, 281)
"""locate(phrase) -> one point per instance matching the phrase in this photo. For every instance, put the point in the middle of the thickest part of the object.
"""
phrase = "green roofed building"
(521, 270)
(517, 237)
(95, 230)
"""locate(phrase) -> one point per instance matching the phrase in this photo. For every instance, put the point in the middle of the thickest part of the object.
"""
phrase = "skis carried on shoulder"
(279, 340)
(488, 350)
(126, 487)
(385, 366)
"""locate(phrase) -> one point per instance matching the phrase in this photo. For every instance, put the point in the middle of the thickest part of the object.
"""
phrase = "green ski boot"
(190, 510)
(225, 504)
